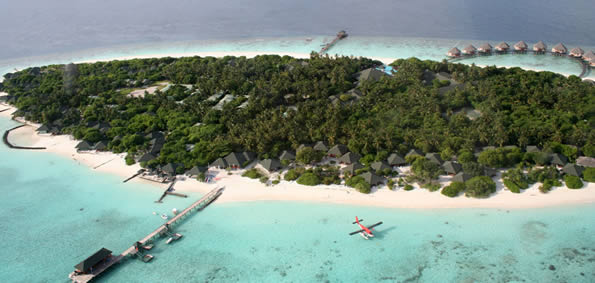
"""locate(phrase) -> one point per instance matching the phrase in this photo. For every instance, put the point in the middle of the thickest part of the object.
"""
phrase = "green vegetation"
(424, 171)
(394, 114)
(589, 175)
(454, 189)
(408, 187)
(431, 187)
(390, 184)
(480, 187)
(276, 182)
(359, 184)
(308, 179)
(264, 179)
(252, 173)
(129, 160)
(515, 180)
(292, 174)
(307, 155)
(573, 182)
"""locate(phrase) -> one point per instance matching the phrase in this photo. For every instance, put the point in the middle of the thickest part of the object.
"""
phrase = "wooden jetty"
(7, 143)
(4, 109)
(169, 189)
(161, 230)
(340, 35)
(134, 176)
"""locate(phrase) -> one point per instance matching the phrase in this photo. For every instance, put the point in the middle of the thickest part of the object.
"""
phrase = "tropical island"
(336, 121)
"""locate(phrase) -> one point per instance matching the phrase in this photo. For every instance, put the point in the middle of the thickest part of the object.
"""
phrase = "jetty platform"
(161, 230)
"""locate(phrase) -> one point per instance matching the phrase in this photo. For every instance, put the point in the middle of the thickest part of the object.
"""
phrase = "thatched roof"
(558, 159)
(539, 46)
(196, 170)
(454, 52)
(502, 46)
(372, 178)
(321, 146)
(146, 157)
(434, 157)
(589, 56)
(220, 162)
(470, 49)
(532, 148)
(100, 145)
(396, 159)
(84, 145)
(585, 161)
(351, 168)
(43, 129)
(235, 159)
(171, 168)
(271, 164)
(452, 167)
(573, 169)
(577, 52)
(559, 48)
(349, 158)
(249, 156)
(486, 47)
(380, 165)
(461, 177)
(93, 260)
(287, 155)
(414, 152)
(370, 74)
(338, 150)
(521, 45)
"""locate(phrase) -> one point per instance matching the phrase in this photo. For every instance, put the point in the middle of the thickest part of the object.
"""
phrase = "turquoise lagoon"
(385, 47)
(56, 212)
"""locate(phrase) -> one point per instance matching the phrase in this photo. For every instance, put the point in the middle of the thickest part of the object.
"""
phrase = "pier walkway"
(161, 230)
(342, 34)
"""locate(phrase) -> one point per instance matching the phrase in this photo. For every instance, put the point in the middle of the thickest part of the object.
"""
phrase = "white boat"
(175, 211)
(164, 216)
(169, 240)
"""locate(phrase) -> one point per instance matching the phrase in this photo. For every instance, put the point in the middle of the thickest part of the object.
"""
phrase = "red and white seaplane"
(365, 232)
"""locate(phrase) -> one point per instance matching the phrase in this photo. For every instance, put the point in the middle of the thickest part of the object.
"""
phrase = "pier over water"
(84, 276)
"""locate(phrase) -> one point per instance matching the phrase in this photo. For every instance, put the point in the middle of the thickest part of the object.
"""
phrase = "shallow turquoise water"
(44, 234)
(388, 47)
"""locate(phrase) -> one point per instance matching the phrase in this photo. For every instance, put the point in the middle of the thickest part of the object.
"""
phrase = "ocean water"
(44, 233)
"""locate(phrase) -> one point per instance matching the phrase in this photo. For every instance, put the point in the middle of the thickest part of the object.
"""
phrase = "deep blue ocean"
(39, 27)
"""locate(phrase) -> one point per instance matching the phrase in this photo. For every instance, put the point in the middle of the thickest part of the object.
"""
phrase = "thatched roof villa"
(235, 160)
(372, 178)
(219, 163)
(396, 159)
(469, 50)
(287, 155)
(502, 47)
(539, 47)
(338, 150)
(351, 168)
(380, 166)
(520, 46)
(559, 49)
(271, 164)
(577, 52)
(454, 52)
(485, 48)
(349, 158)
(589, 56)
(321, 146)
(573, 170)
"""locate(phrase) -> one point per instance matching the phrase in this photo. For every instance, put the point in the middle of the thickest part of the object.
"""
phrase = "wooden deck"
(161, 230)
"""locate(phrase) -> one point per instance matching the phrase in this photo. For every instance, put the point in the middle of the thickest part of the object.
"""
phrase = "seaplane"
(365, 232)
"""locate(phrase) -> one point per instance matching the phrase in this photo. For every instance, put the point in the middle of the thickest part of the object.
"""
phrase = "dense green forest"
(286, 102)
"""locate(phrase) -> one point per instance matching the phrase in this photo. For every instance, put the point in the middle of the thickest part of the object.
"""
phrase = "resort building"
(454, 52)
(539, 47)
(485, 48)
(100, 146)
(469, 50)
(370, 74)
(380, 166)
(559, 49)
(577, 52)
(195, 171)
(83, 146)
(235, 160)
(452, 168)
(351, 168)
(589, 56)
(573, 170)
(287, 155)
(271, 165)
(502, 47)
(585, 161)
(558, 160)
(414, 152)
(372, 178)
(146, 157)
(521, 46)
(321, 146)
(86, 266)
(396, 160)
(532, 148)
(349, 158)
(461, 177)
(435, 158)
(338, 150)
(219, 163)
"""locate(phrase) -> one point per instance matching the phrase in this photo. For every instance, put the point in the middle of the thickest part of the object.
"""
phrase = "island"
(336, 121)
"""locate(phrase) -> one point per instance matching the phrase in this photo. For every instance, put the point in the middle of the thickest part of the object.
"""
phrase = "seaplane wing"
(362, 230)
(374, 225)
(358, 231)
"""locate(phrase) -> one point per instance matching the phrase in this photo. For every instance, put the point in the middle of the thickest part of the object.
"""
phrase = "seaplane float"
(365, 232)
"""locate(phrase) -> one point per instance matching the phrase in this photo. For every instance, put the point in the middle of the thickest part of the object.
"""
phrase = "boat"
(177, 236)
(148, 247)
(164, 216)
(147, 258)
(175, 211)
(169, 240)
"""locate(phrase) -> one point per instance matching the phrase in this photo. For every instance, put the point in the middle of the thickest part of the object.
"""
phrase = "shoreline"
(242, 189)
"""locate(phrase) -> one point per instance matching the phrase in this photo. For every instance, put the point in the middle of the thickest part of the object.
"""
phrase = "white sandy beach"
(241, 189)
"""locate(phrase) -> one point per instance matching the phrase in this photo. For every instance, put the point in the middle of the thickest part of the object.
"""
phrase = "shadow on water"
(380, 234)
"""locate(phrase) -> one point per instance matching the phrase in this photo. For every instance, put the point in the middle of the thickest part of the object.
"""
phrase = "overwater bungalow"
(349, 158)
(559, 49)
(338, 150)
(351, 168)
(469, 50)
(454, 52)
(539, 47)
(520, 46)
(589, 56)
(485, 48)
(502, 47)
(577, 52)
(592, 62)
